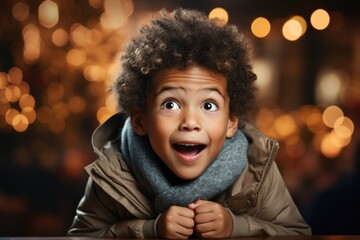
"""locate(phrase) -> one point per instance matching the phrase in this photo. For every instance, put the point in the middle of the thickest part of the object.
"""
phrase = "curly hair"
(180, 39)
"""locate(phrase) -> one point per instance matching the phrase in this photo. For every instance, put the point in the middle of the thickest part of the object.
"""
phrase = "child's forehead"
(191, 79)
(188, 73)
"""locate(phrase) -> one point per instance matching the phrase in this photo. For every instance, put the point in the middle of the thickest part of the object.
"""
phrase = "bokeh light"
(220, 15)
(20, 11)
(329, 85)
(20, 123)
(292, 29)
(76, 57)
(29, 113)
(344, 127)
(320, 19)
(15, 75)
(48, 14)
(285, 126)
(32, 43)
(302, 23)
(80, 35)
(328, 147)
(331, 115)
(116, 13)
(60, 37)
(260, 27)
(103, 114)
(77, 104)
(94, 73)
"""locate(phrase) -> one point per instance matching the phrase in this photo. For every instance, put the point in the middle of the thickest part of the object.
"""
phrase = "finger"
(183, 227)
(204, 218)
(176, 227)
(205, 227)
(192, 206)
(203, 210)
(187, 223)
(196, 204)
(214, 225)
(186, 212)
(209, 208)
(184, 232)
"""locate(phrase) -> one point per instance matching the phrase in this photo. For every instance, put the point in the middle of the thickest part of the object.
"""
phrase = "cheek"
(159, 129)
(218, 133)
(218, 137)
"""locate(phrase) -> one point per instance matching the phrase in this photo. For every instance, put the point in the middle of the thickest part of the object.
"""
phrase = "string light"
(332, 130)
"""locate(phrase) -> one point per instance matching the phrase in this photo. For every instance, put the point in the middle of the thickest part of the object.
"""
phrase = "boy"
(184, 164)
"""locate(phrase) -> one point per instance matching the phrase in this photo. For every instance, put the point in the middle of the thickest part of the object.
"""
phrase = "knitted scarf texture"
(162, 185)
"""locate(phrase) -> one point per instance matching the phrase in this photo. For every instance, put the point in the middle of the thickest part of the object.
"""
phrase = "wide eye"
(170, 105)
(209, 106)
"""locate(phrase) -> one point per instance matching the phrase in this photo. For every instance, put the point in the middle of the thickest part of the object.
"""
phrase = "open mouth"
(189, 149)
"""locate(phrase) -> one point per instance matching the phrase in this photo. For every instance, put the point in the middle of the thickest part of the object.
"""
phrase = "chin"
(188, 176)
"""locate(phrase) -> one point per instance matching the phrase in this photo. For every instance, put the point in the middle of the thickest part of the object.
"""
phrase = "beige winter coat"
(114, 206)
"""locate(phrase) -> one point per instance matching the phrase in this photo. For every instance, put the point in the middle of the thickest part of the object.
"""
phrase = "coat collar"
(261, 154)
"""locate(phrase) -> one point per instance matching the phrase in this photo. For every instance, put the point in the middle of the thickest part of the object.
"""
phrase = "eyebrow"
(169, 88)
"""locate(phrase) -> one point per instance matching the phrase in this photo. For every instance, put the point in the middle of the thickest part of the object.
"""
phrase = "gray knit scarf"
(162, 185)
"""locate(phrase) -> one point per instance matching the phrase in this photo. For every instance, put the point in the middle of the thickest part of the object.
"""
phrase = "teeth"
(187, 144)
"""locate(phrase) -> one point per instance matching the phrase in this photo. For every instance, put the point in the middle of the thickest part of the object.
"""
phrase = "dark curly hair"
(179, 39)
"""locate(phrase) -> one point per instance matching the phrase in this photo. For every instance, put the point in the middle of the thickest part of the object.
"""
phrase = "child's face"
(187, 118)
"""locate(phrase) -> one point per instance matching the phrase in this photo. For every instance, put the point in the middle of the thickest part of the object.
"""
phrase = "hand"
(176, 222)
(211, 220)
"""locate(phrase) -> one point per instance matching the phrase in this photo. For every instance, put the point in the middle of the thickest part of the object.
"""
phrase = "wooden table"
(239, 238)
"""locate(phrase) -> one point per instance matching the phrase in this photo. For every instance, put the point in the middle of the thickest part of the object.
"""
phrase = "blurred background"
(58, 58)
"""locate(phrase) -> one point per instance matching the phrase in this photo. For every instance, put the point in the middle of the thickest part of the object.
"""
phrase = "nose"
(190, 121)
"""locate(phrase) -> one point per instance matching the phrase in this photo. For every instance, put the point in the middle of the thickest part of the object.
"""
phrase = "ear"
(232, 126)
(138, 123)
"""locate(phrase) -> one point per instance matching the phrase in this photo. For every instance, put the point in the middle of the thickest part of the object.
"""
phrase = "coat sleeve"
(275, 214)
(99, 215)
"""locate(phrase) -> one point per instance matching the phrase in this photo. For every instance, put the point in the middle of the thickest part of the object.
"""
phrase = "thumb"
(193, 205)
